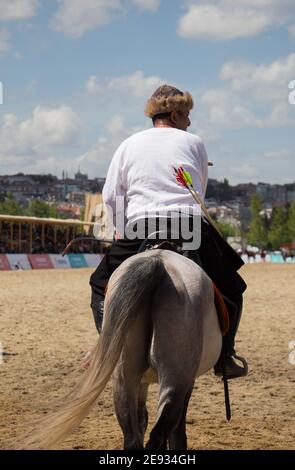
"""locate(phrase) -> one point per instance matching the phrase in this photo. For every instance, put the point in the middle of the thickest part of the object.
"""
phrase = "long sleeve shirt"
(141, 172)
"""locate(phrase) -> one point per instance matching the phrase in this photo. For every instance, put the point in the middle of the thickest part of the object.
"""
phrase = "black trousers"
(216, 257)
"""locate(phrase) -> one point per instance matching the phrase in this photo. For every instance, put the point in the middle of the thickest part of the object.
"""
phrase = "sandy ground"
(46, 322)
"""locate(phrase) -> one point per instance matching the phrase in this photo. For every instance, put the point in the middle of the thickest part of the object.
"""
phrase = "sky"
(76, 76)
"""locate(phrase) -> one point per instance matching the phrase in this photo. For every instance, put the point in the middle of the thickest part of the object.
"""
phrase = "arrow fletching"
(188, 178)
(183, 177)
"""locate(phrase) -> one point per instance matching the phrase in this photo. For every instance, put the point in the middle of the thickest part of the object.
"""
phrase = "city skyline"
(76, 76)
(72, 174)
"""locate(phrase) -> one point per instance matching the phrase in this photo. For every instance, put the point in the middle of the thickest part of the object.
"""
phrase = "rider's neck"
(160, 124)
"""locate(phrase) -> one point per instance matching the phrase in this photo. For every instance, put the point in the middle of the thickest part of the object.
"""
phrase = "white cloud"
(4, 40)
(280, 115)
(267, 82)
(76, 17)
(17, 9)
(13, 10)
(47, 129)
(50, 140)
(49, 126)
(92, 86)
(150, 5)
(226, 111)
(136, 84)
(231, 19)
(281, 153)
(116, 127)
(97, 159)
(212, 22)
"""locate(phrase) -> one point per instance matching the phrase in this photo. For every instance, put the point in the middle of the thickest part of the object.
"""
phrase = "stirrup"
(233, 371)
(244, 362)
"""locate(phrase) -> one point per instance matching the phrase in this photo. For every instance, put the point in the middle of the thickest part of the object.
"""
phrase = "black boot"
(97, 310)
(226, 359)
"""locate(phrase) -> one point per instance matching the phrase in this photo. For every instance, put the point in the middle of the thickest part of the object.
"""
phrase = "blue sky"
(76, 75)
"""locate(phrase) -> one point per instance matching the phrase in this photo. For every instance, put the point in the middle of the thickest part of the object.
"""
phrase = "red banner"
(4, 264)
(40, 261)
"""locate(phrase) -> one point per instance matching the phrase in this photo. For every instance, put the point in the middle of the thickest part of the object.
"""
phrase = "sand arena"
(47, 325)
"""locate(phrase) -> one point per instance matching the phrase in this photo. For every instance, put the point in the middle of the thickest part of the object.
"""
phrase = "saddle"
(222, 311)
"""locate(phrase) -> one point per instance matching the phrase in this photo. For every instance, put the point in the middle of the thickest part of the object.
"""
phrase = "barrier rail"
(14, 262)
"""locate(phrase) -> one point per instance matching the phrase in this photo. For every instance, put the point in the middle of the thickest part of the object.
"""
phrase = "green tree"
(257, 234)
(228, 230)
(279, 228)
(42, 209)
(291, 223)
(10, 206)
(225, 190)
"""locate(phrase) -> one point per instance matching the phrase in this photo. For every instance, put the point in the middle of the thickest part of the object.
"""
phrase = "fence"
(16, 262)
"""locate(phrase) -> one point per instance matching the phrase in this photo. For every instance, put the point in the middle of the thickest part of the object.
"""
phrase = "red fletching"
(180, 177)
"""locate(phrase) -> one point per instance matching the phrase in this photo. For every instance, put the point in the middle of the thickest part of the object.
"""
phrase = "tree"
(291, 223)
(225, 190)
(279, 228)
(257, 234)
(43, 179)
(10, 206)
(227, 230)
(39, 208)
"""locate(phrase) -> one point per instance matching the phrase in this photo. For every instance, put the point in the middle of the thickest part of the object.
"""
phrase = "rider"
(141, 172)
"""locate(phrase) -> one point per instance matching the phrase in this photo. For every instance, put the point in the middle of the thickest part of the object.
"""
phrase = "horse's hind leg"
(142, 410)
(126, 408)
(129, 393)
(175, 354)
(177, 439)
(171, 422)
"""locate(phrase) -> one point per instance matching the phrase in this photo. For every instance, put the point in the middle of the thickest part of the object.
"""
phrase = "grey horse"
(160, 325)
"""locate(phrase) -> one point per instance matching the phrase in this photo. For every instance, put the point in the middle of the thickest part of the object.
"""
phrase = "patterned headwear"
(167, 99)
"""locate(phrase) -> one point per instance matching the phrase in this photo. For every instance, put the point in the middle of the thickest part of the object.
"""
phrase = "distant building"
(80, 176)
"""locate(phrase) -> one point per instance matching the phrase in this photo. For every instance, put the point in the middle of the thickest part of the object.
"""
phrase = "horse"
(160, 325)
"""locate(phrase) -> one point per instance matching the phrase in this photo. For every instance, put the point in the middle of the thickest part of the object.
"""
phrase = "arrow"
(184, 178)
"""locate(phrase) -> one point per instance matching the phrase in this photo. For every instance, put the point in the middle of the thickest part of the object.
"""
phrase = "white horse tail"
(127, 297)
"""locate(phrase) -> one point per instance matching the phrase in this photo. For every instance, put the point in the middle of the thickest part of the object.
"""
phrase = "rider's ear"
(174, 117)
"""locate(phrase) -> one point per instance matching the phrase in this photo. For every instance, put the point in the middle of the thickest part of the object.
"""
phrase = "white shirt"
(142, 172)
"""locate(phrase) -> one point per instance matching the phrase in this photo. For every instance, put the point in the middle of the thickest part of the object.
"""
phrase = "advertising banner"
(77, 260)
(93, 260)
(19, 262)
(40, 261)
(60, 262)
(4, 264)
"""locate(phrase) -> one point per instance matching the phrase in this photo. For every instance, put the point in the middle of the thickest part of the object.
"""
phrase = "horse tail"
(130, 295)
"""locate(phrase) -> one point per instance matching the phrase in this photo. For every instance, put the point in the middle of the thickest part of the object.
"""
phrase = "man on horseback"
(141, 172)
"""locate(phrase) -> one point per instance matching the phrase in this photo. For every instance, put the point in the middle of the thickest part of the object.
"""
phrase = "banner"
(77, 260)
(93, 260)
(60, 262)
(276, 258)
(40, 261)
(19, 262)
(4, 264)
